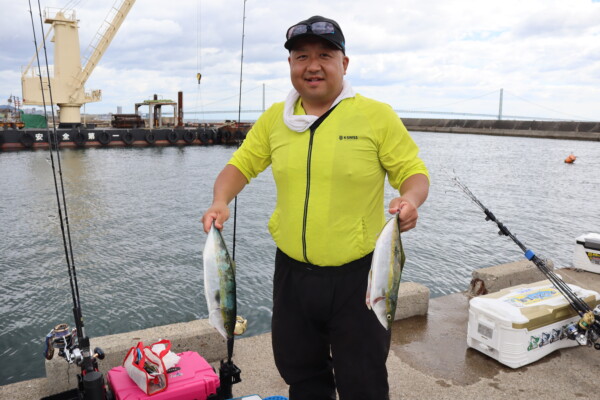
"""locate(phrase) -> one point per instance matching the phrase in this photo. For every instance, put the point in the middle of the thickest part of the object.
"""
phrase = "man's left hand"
(408, 213)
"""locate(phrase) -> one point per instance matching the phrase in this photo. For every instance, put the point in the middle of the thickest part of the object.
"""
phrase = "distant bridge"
(491, 116)
(444, 113)
(498, 116)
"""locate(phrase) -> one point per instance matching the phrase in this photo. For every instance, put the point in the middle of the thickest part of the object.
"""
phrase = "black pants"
(324, 337)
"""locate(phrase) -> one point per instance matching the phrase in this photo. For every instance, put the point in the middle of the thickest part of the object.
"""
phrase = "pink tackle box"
(195, 380)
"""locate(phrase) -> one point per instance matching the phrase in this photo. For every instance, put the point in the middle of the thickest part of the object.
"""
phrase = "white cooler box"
(521, 324)
(587, 253)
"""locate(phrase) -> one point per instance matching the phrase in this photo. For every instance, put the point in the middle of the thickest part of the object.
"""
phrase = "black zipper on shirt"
(310, 143)
(313, 128)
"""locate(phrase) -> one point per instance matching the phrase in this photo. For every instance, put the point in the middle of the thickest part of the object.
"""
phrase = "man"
(330, 150)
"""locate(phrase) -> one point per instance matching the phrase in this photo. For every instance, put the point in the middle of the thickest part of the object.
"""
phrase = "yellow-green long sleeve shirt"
(330, 183)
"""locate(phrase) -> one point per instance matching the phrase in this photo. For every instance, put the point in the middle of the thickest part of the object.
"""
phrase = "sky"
(423, 57)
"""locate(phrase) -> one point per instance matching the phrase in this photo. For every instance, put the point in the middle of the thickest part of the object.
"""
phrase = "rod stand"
(229, 375)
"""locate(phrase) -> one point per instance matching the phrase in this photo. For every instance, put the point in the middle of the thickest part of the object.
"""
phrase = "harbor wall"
(569, 130)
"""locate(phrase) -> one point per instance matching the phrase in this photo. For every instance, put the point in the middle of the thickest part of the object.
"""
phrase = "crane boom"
(103, 38)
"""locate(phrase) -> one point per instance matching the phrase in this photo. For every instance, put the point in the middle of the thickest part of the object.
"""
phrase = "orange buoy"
(570, 159)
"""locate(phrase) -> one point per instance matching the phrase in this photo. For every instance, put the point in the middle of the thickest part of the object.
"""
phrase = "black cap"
(335, 37)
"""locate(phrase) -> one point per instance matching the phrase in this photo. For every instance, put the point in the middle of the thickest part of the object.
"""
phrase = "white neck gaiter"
(300, 123)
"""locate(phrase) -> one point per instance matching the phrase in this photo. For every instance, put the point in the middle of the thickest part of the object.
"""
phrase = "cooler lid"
(590, 241)
(531, 306)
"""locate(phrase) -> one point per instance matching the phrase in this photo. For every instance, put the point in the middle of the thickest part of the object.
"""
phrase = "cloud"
(413, 53)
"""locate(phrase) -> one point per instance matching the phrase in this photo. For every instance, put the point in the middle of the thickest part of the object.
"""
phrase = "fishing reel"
(63, 338)
(585, 331)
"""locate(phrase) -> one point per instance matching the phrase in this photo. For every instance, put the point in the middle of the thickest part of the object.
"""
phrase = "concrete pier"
(429, 357)
(569, 130)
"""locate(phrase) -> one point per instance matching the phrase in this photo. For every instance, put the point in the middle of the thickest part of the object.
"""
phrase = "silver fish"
(386, 271)
(219, 284)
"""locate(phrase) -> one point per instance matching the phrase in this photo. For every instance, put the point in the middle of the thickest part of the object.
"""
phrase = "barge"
(85, 136)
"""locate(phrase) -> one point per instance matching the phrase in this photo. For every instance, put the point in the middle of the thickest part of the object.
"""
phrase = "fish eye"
(389, 317)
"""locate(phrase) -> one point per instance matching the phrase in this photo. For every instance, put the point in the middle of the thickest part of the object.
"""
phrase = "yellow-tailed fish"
(386, 270)
(219, 284)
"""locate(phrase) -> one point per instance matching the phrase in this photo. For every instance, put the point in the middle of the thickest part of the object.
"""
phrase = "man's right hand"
(218, 212)
(228, 184)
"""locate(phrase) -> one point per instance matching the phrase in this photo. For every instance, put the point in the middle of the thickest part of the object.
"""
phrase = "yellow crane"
(67, 76)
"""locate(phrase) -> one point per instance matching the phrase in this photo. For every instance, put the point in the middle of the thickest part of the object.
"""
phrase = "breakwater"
(570, 130)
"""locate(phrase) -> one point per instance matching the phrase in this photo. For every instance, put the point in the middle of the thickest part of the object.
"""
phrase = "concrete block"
(197, 336)
(413, 299)
(492, 279)
(31, 389)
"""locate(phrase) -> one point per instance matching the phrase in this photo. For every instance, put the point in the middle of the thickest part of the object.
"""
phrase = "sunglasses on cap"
(319, 28)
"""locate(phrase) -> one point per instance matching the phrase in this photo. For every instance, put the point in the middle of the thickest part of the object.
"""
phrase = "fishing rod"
(238, 120)
(229, 373)
(587, 330)
(73, 345)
